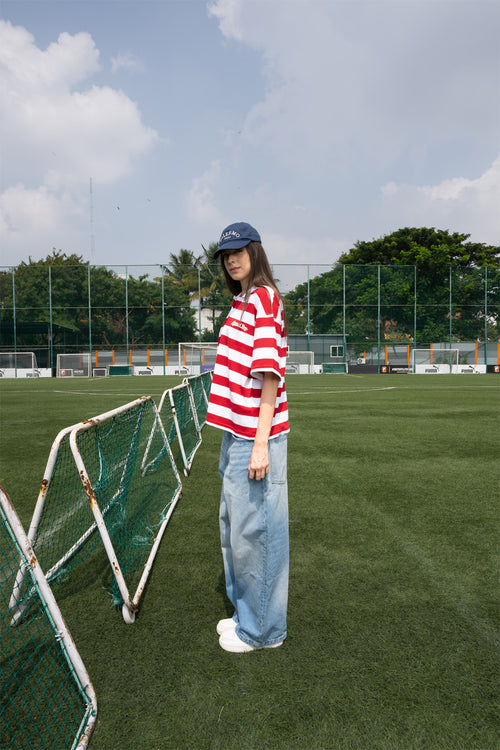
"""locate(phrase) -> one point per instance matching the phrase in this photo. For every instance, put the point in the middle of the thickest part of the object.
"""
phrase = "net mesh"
(134, 481)
(130, 468)
(66, 533)
(22, 360)
(200, 399)
(41, 703)
(179, 403)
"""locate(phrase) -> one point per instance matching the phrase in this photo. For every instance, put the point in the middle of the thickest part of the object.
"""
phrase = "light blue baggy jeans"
(254, 539)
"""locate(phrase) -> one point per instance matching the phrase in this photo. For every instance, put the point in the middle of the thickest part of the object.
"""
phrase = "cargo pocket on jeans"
(277, 466)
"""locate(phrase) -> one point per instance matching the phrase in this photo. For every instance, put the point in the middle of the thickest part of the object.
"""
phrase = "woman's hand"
(258, 466)
(259, 461)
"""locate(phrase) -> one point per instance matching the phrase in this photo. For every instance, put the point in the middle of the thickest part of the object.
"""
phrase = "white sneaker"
(229, 641)
(224, 625)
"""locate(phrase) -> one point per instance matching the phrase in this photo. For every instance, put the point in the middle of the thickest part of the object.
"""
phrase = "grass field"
(393, 609)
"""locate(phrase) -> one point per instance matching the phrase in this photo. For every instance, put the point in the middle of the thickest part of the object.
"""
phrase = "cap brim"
(231, 245)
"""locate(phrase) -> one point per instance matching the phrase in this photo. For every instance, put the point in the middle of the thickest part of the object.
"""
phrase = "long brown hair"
(260, 275)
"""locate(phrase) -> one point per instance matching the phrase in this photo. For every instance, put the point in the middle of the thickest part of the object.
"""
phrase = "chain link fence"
(137, 314)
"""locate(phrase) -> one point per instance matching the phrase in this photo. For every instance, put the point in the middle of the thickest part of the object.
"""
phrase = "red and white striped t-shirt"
(250, 343)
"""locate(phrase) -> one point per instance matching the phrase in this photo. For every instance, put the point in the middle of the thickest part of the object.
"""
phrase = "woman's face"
(238, 265)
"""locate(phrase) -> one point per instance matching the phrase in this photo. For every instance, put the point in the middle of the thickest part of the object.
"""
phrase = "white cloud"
(486, 188)
(56, 133)
(200, 199)
(33, 221)
(126, 61)
(27, 69)
(349, 81)
(459, 204)
(367, 93)
(228, 12)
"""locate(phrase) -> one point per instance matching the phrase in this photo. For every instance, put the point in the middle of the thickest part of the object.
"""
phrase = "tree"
(389, 265)
(429, 249)
(124, 310)
(182, 269)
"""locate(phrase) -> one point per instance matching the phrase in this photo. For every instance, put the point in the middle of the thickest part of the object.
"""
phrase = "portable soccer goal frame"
(47, 693)
(177, 406)
(130, 603)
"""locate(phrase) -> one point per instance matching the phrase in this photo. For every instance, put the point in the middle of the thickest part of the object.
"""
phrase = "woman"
(248, 401)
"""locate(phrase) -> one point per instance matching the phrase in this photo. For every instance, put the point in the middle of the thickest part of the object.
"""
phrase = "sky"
(131, 130)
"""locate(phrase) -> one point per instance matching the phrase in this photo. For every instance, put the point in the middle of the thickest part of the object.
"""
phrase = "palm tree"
(183, 269)
(213, 291)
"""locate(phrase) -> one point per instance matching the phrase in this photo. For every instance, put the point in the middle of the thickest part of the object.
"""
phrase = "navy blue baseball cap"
(236, 236)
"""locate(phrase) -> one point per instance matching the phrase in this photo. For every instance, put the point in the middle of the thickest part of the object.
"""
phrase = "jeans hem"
(256, 644)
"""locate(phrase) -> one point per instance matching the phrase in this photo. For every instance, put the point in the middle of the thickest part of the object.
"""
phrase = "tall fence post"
(414, 307)
(126, 308)
(486, 317)
(14, 318)
(378, 317)
(343, 311)
(308, 311)
(450, 307)
(90, 320)
(51, 351)
(163, 313)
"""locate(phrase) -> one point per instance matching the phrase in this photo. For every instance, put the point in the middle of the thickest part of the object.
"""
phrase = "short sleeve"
(269, 347)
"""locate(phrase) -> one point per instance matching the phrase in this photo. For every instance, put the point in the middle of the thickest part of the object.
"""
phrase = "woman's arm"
(259, 460)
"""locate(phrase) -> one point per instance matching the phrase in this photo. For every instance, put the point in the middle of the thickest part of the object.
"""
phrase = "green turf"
(393, 611)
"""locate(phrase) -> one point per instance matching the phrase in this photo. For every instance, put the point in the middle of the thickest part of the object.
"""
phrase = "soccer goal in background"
(434, 361)
(107, 495)
(195, 357)
(15, 364)
(74, 365)
(47, 697)
(300, 363)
